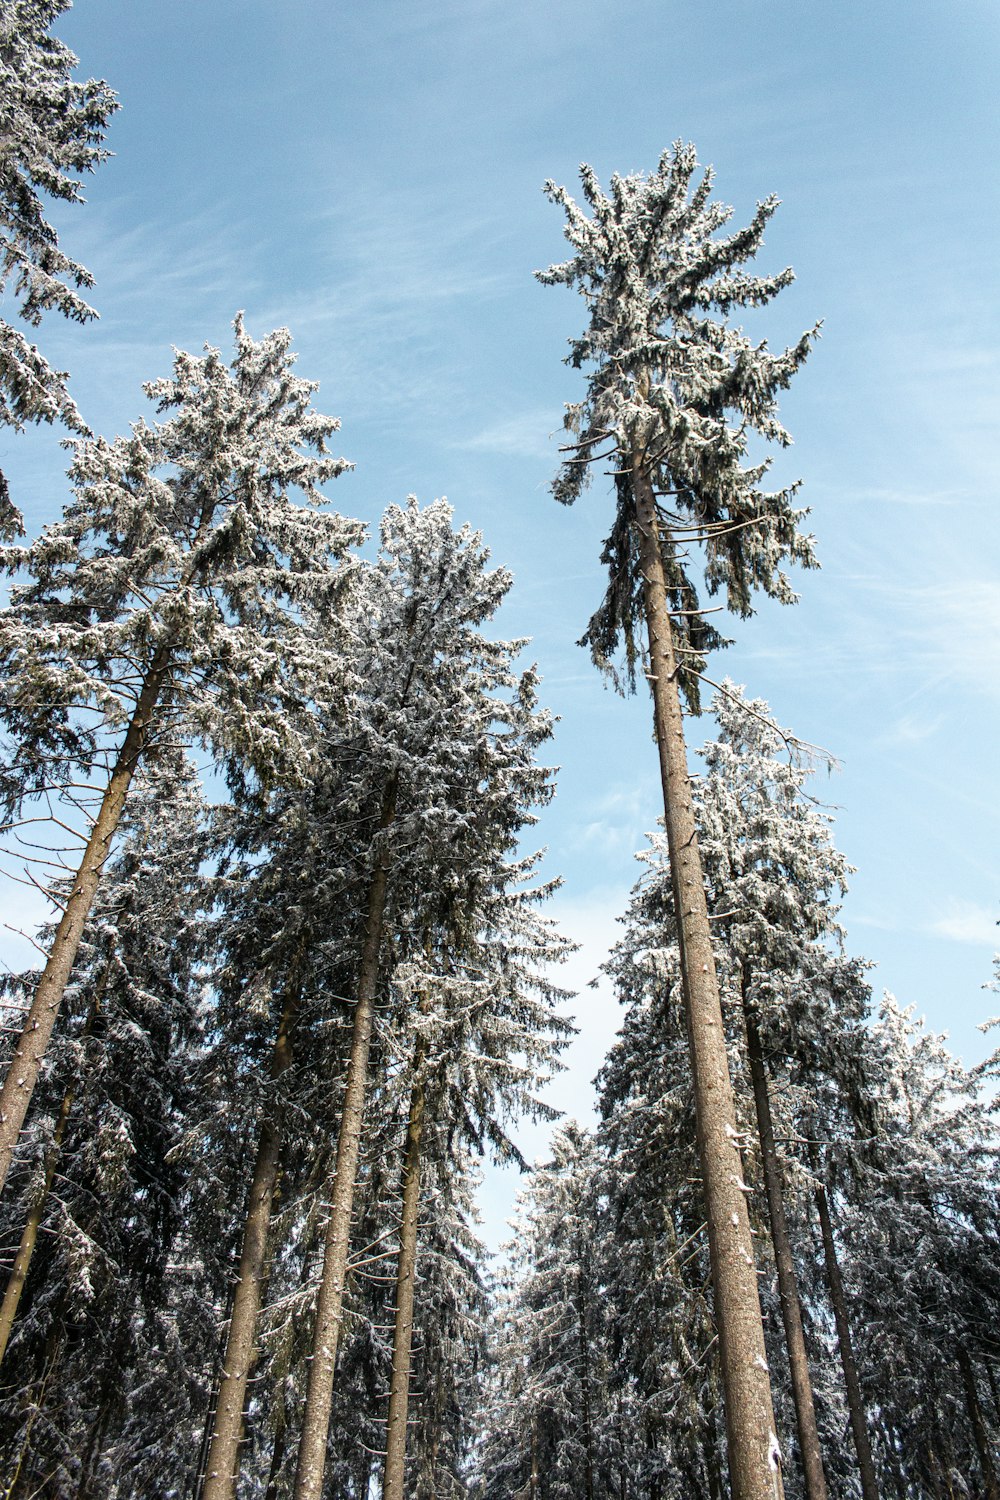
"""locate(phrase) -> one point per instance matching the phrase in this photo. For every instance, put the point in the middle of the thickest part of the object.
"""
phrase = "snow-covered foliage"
(185, 560)
(869, 1108)
(676, 387)
(547, 1412)
(106, 1328)
(52, 127)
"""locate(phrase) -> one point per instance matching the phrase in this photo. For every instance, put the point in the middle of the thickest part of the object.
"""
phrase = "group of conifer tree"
(299, 977)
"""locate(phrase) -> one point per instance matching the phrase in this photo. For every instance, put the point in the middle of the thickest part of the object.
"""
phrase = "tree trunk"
(399, 1390)
(852, 1385)
(533, 1479)
(22, 1073)
(979, 1431)
(329, 1306)
(29, 1236)
(277, 1459)
(222, 1468)
(586, 1421)
(754, 1457)
(788, 1292)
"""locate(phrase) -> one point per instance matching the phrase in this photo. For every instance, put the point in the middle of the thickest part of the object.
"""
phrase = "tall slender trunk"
(754, 1457)
(277, 1460)
(222, 1467)
(978, 1424)
(533, 1479)
(586, 1418)
(329, 1306)
(29, 1236)
(852, 1385)
(22, 1073)
(402, 1339)
(788, 1291)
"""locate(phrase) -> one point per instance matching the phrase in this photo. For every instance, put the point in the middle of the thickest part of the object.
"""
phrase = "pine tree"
(485, 1041)
(52, 128)
(917, 1224)
(451, 730)
(795, 1010)
(167, 601)
(97, 1182)
(674, 396)
(547, 1424)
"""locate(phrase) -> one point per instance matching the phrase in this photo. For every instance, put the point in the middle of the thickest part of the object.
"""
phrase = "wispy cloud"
(966, 922)
(910, 729)
(529, 434)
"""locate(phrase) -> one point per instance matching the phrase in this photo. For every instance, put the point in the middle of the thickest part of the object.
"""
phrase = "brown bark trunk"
(222, 1467)
(788, 1291)
(22, 1073)
(329, 1306)
(277, 1459)
(979, 1431)
(533, 1480)
(585, 1401)
(29, 1237)
(399, 1389)
(852, 1385)
(754, 1460)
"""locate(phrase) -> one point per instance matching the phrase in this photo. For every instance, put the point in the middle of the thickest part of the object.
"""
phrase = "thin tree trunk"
(981, 1435)
(586, 1421)
(22, 1073)
(222, 1468)
(991, 1377)
(852, 1385)
(754, 1457)
(329, 1307)
(277, 1459)
(788, 1292)
(29, 1236)
(533, 1480)
(402, 1339)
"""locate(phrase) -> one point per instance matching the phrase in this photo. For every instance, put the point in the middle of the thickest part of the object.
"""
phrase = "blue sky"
(370, 176)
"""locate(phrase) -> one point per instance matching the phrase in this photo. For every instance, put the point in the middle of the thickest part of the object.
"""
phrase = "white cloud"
(528, 435)
(966, 922)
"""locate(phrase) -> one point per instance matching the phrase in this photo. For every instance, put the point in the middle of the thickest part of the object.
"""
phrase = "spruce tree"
(96, 1324)
(675, 394)
(167, 601)
(449, 731)
(547, 1423)
(924, 1196)
(51, 127)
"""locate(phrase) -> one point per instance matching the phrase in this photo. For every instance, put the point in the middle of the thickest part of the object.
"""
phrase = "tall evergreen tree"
(51, 127)
(917, 1223)
(446, 732)
(97, 1325)
(675, 393)
(547, 1426)
(167, 600)
(485, 1040)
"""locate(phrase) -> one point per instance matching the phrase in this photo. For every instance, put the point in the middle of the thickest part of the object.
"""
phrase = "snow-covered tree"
(795, 1010)
(547, 1423)
(917, 1220)
(675, 395)
(168, 601)
(485, 1039)
(452, 730)
(51, 129)
(100, 1339)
